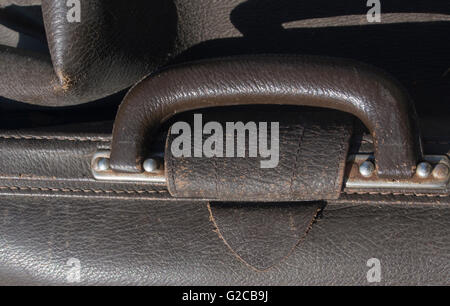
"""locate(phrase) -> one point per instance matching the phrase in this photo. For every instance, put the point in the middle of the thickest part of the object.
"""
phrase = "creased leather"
(313, 150)
(115, 45)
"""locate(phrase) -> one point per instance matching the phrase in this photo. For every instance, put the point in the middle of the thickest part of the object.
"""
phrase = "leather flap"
(312, 152)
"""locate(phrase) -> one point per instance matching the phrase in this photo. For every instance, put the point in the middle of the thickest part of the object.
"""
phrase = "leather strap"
(312, 153)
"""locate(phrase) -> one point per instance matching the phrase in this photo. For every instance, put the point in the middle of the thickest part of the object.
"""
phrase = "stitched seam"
(61, 138)
(396, 194)
(75, 190)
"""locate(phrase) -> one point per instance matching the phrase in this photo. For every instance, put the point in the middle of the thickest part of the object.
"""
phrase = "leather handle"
(376, 99)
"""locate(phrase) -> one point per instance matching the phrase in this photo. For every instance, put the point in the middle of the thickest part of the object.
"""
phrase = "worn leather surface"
(375, 98)
(102, 54)
(312, 153)
(160, 243)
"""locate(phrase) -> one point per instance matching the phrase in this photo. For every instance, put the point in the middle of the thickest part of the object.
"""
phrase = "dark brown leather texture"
(312, 154)
(382, 105)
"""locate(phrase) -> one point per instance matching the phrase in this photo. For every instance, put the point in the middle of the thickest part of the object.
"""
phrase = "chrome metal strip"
(102, 172)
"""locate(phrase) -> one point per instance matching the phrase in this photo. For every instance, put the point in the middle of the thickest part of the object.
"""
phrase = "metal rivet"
(367, 168)
(441, 171)
(103, 164)
(423, 169)
(150, 165)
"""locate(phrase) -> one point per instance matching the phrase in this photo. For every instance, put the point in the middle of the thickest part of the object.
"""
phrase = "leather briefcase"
(243, 143)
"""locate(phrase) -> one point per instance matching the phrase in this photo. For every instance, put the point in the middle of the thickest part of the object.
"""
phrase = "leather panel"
(369, 94)
(124, 242)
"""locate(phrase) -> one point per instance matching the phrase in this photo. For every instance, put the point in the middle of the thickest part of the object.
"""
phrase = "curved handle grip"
(289, 80)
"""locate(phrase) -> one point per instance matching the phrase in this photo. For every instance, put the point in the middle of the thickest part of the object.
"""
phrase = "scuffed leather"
(312, 153)
(121, 239)
(115, 45)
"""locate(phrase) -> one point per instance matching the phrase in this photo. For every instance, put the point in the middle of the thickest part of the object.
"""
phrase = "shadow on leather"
(416, 54)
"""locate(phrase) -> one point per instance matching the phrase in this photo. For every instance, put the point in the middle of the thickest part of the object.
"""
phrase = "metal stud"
(103, 164)
(150, 165)
(367, 168)
(423, 169)
(441, 172)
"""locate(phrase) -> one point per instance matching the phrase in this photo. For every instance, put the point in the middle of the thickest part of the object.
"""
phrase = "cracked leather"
(313, 149)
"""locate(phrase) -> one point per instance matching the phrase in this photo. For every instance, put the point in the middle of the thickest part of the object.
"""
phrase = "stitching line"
(396, 194)
(75, 190)
(62, 138)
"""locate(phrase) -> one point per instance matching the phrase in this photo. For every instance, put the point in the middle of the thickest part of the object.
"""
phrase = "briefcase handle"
(367, 93)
